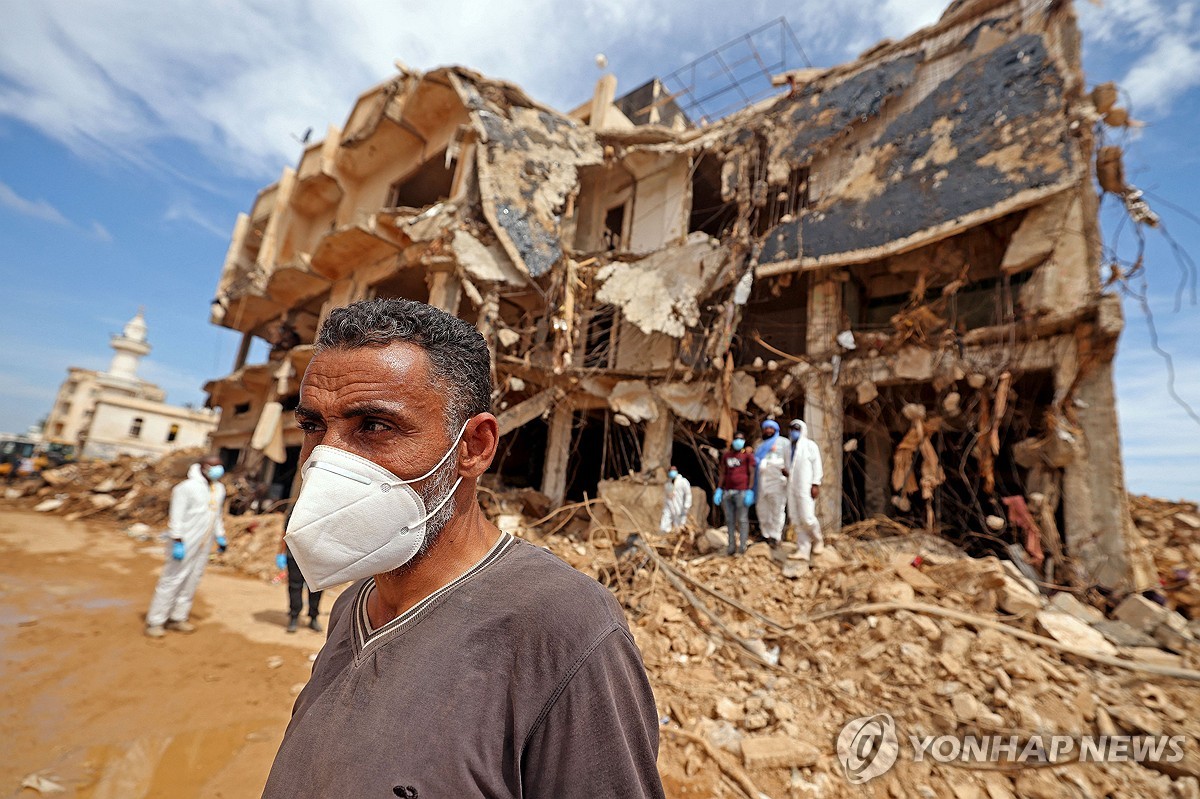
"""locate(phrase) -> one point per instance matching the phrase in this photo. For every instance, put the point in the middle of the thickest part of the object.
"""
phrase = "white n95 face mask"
(355, 519)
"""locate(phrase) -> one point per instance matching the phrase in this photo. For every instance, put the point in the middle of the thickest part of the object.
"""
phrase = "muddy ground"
(87, 701)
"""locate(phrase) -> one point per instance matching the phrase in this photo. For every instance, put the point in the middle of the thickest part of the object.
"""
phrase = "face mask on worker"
(671, 475)
(355, 519)
(215, 472)
(738, 443)
(794, 435)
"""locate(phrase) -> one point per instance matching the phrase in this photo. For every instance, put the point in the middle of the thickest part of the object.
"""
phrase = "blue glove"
(281, 561)
(178, 550)
(718, 495)
(748, 497)
(221, 544)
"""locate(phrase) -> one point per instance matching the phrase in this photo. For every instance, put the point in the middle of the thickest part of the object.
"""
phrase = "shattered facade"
(903, 251)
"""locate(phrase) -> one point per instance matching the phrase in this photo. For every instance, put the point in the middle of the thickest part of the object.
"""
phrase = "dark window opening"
(427, 184)
(777, 313)
(173, 433)
(290, 402)
(241, 409)
(229, 457)
(613, 235)
(981, 303)
(135, 429)
(710, 213)
(961, 504)
(601, 449)
(521, 455)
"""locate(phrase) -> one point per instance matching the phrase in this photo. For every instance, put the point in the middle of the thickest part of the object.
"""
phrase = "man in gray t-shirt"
(462, 662)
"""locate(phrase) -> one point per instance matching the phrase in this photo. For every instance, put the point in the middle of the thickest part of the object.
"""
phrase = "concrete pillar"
(877, 450)
(243, 351)
(1099, 532)
(602, 98)
(823, 413)
(658, 441)
(823, 409)
(445, 291)
(558, 450)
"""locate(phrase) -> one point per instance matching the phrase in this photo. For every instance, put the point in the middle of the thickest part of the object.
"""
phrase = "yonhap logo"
(867, 747)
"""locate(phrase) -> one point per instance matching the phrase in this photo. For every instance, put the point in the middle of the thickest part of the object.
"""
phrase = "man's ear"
(478, 446)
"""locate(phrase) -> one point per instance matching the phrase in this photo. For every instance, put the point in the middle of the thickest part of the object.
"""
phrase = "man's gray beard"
(433, 491)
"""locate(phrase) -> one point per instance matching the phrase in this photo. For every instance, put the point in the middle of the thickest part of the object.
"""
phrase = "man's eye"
(308, 427)
(374, 426)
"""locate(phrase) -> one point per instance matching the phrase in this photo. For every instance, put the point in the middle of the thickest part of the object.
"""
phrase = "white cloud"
(38, 209)
(43, 210)
(1169, 70)
(1161, 39)
(111, 78)
(100, 232)
(183, 210)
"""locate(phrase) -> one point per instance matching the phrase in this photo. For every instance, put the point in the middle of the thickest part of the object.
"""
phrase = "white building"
(111, 413)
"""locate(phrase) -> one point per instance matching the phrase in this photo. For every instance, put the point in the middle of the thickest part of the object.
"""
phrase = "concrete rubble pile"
(757, 663)
(128, 489)
(1172, 531)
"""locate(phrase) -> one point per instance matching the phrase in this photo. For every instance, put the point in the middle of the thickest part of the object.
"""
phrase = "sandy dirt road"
(87, 701)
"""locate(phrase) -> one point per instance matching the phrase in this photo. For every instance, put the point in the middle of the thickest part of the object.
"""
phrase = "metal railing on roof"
(737, 74)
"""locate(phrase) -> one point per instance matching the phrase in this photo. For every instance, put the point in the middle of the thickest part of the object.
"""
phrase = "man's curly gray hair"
(458, 354)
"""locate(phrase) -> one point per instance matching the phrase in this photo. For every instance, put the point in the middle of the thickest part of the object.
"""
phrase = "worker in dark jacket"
(735, 491)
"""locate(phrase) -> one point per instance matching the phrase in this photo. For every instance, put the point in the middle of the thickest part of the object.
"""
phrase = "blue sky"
(133, 133)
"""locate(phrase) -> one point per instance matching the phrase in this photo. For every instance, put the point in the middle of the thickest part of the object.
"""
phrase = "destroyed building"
(903, 250)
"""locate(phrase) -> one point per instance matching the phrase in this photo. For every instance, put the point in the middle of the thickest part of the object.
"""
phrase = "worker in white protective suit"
(804, 486)
(195, 521)
(772, 456)
(677, 502)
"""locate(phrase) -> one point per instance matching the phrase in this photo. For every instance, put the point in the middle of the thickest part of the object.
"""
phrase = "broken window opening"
(172, 433)
(603, 450)
(710, 213)
(777, 312)
(960, 504)
(521, 454)
(429, 183)
(241, 409)
(987, 302)
(229, 457)
(135, 428)
(981, 303)
(613, 234)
